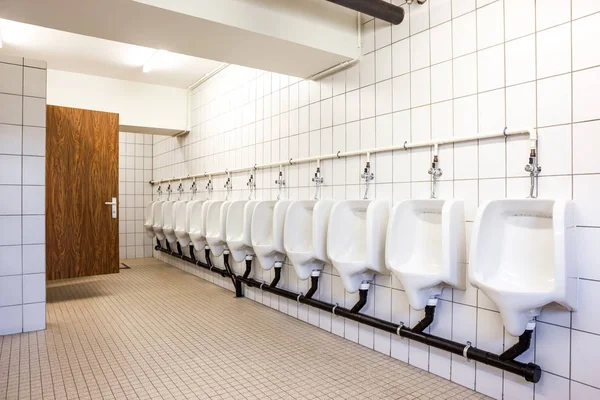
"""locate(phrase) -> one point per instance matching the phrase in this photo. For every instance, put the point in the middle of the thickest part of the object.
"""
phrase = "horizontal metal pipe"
(405, 146)
(530, 371)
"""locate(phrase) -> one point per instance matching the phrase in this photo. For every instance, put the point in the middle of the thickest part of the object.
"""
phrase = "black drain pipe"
(375, 8)
(428, 319)
(277, 277)
(520, 347)
(179, 250)
(192, 255)
(198, 263)
(314, 284)
(363, 293)
(248, 267)
(506, 362)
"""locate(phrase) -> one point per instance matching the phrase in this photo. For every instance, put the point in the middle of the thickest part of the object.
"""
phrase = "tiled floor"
(154, 331)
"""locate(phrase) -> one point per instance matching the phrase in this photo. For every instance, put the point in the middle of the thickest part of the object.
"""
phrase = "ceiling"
(89, 55)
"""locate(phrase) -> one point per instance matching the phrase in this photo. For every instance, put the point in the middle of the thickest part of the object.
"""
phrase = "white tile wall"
(457, 67)
(22, 184)
(135, 171)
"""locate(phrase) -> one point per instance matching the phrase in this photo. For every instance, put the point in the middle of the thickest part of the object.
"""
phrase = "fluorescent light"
(0, 39)
(154, 59)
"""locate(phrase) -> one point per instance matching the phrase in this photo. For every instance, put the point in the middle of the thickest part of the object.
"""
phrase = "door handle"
(113, 203)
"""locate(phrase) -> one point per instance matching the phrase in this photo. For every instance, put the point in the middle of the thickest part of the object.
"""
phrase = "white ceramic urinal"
(183, 214)
(268, 222)
(305, 235)
(169, 221)
(158, 220)
(356, 240)
(425, 248)
(149, 219)
(239, 222)
(197, 229)
(523, 257)
(216, 219)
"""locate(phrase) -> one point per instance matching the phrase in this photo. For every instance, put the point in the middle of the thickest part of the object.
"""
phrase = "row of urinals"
(522, 251)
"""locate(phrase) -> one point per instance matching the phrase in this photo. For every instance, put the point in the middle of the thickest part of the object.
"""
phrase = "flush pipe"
(318, 180)
(280, 182)
(228, 186)
(209, 187)
(193, 188)
(505, 362)
(434, 171)
(368, 176)
(251, 184)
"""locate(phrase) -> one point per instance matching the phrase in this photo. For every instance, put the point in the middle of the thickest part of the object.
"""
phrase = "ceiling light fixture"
(0, 39)
(154, 58)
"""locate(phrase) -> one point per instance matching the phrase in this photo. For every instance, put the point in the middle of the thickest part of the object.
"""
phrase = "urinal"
(168, 221)
(305, 235)
(183, 214)
(425, 248)
(267, 231)
(239, 222)
(356, 240)
(523, 257)
(197, 230)
(157, 221)
(149, 219)
(216, 219)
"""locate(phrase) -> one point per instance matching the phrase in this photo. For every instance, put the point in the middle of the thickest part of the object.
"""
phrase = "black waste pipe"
(530, 371)
(158, 243)
(314, 285)
(362, 300)
(192, 255)
(248, 268)
(426, 321)
(277, 277)
(376, 8)
(179, 250)
(207, 256)
(518, 348)
(168, 246)
(198, 263)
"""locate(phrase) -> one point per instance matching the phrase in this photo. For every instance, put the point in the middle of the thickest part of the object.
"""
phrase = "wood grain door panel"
(82, 157)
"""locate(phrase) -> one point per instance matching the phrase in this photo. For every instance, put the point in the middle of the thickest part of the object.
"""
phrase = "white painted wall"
(138, 104)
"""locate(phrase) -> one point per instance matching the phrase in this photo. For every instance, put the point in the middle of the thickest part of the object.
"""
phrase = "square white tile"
(34, 288)
(10, 260)
(11, 79)
(12, 320)
(34, 82)
(11, 109)
(34, 317)
(11, 290)
(34, 111)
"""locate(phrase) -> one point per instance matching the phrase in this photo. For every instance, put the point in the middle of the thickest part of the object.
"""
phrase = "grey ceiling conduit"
(506, 361)
(380, 9)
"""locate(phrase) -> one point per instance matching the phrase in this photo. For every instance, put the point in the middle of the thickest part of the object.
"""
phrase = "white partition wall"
(22, 195)
(452, 68)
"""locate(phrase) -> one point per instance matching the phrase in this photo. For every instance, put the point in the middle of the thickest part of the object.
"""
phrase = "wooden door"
(82, 173)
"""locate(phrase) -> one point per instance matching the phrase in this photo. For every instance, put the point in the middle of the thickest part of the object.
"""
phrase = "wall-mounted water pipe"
(534, 170)
(532, 133)
(193, 189)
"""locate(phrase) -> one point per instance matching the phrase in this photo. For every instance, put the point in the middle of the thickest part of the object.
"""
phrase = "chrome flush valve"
(228, 187)
(209, 187)
(280, 182)
(368, 176)
(318, 180)
(436, 173)
(251, 185)
(534, 170)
